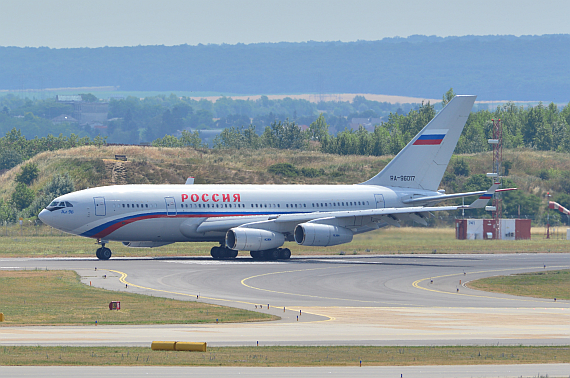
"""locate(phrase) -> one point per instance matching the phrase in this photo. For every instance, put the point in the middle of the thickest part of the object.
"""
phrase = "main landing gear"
(222, 253)
(271, 254)
(103, 253)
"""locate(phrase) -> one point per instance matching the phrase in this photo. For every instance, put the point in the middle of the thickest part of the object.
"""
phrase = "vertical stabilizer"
(422, 163)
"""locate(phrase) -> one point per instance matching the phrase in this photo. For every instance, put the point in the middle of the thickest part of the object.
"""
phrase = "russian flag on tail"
(431, 138)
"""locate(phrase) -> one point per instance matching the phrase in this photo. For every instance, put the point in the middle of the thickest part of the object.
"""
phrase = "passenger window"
(123, 205)
(295, 205)
(304, 205)
(278, 205)
(127, 205)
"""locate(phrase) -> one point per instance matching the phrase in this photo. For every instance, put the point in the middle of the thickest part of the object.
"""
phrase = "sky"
(82, 23)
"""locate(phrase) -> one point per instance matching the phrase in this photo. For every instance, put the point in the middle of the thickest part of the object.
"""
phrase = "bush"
(28, 174)
(22, 196)
(283, 169)
(460, 167)
(312, 172)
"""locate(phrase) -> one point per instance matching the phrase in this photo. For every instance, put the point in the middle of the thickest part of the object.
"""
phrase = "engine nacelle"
(253, 239)
(321, 235)
(144, 244)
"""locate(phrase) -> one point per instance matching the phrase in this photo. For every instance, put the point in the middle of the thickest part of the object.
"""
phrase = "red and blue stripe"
(429, 140)
(111, 226)
(486, 196)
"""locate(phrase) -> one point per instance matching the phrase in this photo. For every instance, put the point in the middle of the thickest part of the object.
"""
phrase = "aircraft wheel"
(105, 253)
(216, 253)
(230, 253)
(256, 255)
(271, 254)
(98, 253)
(284, 253)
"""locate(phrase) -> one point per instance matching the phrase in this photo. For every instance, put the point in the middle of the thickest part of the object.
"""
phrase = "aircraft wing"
(355, 219)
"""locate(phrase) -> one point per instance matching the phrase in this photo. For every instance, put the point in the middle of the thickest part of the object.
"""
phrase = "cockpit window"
(56, 205)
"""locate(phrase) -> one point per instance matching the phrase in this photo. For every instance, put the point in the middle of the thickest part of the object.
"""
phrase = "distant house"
(63, 118)
(367, 123)
(304, 127)
(64, 98)
(86, 113)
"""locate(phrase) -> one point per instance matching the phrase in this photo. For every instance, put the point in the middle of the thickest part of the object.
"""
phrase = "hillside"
(534, 172)
(527, 68)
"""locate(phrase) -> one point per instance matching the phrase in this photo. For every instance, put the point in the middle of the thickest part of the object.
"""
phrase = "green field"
(38, 297)
(43, 241)
(547, 284)
(284, 356)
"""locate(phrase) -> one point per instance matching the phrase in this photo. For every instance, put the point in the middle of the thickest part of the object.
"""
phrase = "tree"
(28, 174)
(22, 196)
(88, 97)
(319, 129)
(9, 159)
(448, 96)
(284, 135)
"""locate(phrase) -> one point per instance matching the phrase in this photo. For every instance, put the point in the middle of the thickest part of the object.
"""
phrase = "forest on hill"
(527, 68)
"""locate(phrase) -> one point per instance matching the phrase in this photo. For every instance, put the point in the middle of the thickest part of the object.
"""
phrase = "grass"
(283, 356)
(43, 241)
(547, 284)
(59, 298)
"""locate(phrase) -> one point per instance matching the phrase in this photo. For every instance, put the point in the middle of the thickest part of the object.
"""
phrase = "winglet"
(484, 198)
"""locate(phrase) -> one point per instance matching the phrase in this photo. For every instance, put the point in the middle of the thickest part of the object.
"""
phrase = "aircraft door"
(379, 201)
(170, 206)
(100, 208)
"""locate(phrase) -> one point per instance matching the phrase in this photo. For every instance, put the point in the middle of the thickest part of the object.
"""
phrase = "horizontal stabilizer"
(483, 200)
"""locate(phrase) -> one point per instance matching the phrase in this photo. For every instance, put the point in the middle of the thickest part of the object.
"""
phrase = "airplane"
(261, 218)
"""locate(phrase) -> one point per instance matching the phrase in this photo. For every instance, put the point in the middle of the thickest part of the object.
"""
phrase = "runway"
(341, 300)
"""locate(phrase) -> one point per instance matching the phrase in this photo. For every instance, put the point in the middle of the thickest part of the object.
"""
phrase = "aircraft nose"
(44, 216)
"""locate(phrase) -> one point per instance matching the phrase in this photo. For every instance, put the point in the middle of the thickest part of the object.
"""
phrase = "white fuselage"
(171, 213)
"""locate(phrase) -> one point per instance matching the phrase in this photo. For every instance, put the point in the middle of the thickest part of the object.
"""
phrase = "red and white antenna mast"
(497, 143)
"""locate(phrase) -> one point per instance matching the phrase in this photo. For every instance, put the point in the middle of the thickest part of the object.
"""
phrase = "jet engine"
(252, 239)
(144, 244)
(321, 235)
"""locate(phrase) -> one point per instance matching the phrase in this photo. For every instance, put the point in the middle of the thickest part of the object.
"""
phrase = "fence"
(29, 228)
